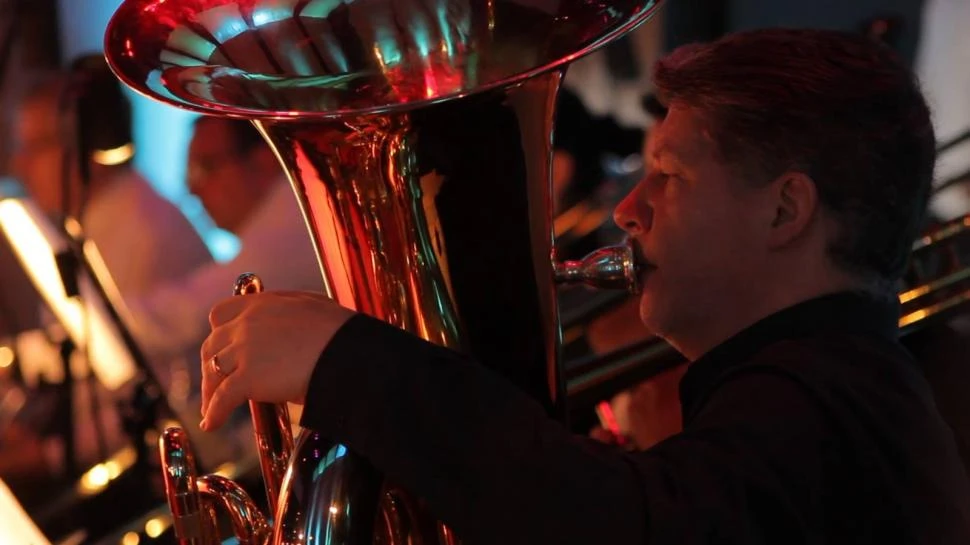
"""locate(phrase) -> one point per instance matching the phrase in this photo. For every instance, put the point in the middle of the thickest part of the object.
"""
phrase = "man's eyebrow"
(665, 150)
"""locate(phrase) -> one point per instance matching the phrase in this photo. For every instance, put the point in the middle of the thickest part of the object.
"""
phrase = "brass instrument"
(938, 280)
(417, 138)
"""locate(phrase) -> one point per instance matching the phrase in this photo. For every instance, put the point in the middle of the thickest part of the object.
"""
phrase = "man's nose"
(633, 214)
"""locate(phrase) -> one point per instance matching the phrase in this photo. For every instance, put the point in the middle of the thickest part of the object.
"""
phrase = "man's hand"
(263, 347)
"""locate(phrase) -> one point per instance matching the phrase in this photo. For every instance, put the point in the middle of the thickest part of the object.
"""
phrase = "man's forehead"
(680, 135)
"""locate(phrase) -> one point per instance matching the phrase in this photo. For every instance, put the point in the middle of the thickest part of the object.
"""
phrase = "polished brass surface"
(193, 499)
(193, 523)
(271, 422)
(417, 138)
(248, 523)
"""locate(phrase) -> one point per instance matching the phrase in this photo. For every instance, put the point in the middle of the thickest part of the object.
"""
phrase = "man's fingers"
(228, 395)
(227, 309)
(217, 341)
(603, 436)
(215, 369)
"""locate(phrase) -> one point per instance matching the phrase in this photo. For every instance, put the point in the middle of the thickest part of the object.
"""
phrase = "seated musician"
(235, 175)
(786, 185)
(73, 152)
(82, 119)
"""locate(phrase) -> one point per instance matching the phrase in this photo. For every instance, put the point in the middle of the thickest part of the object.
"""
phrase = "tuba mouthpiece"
(612, 267)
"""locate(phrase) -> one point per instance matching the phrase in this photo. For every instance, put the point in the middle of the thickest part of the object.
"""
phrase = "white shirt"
(143, 238)
(603, 94)
(144, 241)
(173, 320)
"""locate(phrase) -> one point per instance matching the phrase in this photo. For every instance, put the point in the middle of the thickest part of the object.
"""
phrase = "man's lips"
(640, 262)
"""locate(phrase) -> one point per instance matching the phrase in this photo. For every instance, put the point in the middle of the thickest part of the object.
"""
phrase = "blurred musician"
(234, 173)
(786, 185)
(73, 151)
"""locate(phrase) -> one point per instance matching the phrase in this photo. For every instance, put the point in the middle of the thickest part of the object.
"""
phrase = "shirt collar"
(844, 312)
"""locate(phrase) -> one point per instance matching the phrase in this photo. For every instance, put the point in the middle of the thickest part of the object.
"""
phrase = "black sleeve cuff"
(362, 346)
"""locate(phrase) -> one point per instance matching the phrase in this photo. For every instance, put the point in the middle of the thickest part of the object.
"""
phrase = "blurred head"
(70, 128)
(38, 146)
(791, 163)
(230, 168)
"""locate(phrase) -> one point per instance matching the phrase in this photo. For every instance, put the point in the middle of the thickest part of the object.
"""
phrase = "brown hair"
(245, 136)
(837, 106)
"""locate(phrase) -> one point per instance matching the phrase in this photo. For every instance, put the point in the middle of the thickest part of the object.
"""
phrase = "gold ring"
(214, 363)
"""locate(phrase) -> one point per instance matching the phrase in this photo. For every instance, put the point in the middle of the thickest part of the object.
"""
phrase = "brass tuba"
(417, 137)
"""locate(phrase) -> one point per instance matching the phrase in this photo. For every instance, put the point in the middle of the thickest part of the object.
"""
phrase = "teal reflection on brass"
(335, 452)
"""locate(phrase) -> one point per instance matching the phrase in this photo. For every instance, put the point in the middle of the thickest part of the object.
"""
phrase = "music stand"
(73, 296)
(74, 285)
(15, 525)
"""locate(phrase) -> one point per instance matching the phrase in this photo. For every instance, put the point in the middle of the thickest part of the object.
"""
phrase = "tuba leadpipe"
(417, 137)
(193, 499)
(271, 421)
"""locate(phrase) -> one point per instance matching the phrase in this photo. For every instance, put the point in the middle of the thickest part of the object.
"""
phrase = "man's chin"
(650, 312)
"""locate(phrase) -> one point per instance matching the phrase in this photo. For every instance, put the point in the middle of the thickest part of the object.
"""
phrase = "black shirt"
(812, 426)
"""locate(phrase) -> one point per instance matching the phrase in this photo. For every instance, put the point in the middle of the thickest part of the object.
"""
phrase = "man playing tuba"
(784, 189)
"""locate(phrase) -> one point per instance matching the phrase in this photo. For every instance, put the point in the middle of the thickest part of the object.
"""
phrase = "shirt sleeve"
(489, 461)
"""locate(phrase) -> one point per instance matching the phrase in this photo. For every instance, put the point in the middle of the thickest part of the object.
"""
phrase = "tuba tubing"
(271, 421)
(194, 522)
(193, 499)
(248, 523)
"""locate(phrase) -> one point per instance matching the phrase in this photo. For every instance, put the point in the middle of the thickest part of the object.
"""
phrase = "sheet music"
(15, 525)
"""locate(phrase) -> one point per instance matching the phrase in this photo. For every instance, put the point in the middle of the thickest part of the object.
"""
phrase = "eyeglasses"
(201, 170)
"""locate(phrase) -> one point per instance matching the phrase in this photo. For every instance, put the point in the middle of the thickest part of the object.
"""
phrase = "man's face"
(698, 227)
(217, 175)
(38, 154)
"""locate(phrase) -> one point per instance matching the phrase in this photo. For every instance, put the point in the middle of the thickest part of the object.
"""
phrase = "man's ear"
(795, 202)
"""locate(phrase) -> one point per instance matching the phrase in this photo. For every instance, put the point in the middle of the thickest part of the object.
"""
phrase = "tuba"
(417, 137)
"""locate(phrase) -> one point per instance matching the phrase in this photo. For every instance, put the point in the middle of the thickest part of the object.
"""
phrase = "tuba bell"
(417, 137)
